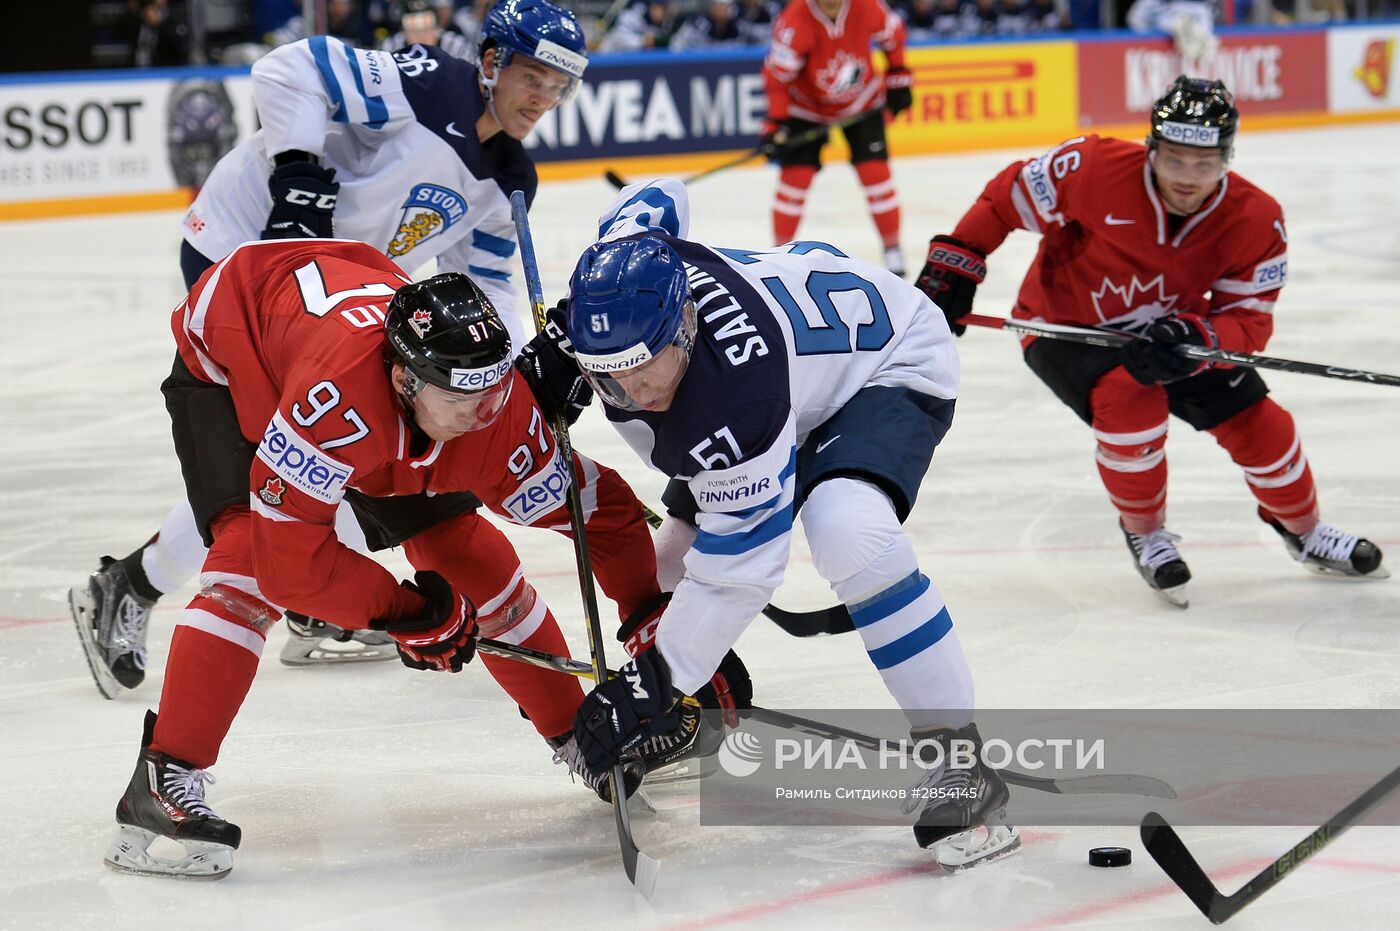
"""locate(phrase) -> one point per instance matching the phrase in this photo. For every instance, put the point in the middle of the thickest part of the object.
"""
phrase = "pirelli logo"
(989, 91)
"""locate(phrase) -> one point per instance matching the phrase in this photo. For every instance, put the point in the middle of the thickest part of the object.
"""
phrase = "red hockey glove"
(441, 637)
(1154, 360)
(899, 90)
(950, 278)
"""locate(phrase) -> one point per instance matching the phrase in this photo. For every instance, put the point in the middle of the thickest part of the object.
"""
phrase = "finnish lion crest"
(429, 210)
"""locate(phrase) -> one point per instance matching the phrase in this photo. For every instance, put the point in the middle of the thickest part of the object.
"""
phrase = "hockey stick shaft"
(1165, 846)
(823, 621)
(641, 869)
(1082, 785)
(802, 138)
(1112, 339)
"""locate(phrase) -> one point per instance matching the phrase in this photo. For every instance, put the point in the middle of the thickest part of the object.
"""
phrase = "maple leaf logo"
(421, 321)
(1131, 307)
(842, 75)
(272, 490)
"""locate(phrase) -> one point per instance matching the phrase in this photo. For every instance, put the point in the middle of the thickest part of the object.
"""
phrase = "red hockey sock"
(213, 658)
(1130, 426)
(788, 200)
(1263, 441)
(550, 699)
(880, 195)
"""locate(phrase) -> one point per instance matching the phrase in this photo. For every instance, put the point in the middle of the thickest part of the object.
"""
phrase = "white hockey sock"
(177, 553)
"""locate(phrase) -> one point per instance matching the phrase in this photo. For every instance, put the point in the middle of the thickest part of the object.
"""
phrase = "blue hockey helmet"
(539, 30)
(629, 304)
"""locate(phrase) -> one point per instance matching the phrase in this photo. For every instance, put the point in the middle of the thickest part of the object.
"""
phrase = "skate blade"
(984, 844)
(1327, 572)
(687, 770)
(1177, 597)
(203, 861)
(81, 607)
(300, 651)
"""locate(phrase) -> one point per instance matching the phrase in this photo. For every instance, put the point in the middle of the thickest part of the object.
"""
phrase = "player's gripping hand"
(303, 201)
(1153, 359)
(950, 277)
(548, 365)
(728, 690)
(626, 710)
(899, 91)
(441, 637)
(776, 135)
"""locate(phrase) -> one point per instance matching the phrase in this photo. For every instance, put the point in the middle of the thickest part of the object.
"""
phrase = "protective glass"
(538, 80)
(652, 384)
(1190, 165)
(464, 411)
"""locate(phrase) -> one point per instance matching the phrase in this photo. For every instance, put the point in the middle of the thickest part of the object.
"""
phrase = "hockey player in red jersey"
(285, 397)
(819, 71)
(1162, 241)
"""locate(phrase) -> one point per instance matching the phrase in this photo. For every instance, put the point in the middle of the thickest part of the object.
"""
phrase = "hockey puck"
(1110, 856)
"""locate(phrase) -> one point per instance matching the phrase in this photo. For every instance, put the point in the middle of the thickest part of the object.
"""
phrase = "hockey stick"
(802, 138)
(1176, 861)
(1112, 339)
(641, 869)
(1075, 785)
(823, 621)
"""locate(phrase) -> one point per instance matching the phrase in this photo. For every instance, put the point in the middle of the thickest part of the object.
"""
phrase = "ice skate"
(111, 619)
(687, 754)
(313, 642)
(165, 801)
(566, 751)
(894, 261)
(964, 808)
(1327, 550)
(1160, 565)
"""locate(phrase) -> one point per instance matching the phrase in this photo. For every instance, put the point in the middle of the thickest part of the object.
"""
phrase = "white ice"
(376, 796)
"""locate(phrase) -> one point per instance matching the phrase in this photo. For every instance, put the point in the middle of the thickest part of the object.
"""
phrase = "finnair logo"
(556, 56)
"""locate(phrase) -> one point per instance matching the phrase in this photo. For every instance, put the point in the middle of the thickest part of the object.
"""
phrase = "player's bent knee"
(856, 541)
(519, 616)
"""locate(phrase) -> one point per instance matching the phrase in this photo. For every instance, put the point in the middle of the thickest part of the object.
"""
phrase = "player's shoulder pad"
(659, 206)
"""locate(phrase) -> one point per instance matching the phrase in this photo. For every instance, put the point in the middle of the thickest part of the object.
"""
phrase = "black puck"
(1110, 856)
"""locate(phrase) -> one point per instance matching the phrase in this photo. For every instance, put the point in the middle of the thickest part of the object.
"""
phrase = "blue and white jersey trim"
(755, 525)
(343, 71)
(904, 620)
(655, 206)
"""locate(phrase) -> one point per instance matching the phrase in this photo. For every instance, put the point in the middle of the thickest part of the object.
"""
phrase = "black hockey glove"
(776, 135)
(950, 277)
(303, 201)
(624, 711)
(899, 91)
(441, 637)
(1154, 360)
(547, 364)
(729, 689)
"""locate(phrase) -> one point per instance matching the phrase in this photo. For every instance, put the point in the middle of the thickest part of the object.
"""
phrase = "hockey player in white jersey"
(765, 382)
(415, 153)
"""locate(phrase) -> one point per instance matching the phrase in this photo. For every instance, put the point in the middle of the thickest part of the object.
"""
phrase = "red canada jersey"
(1111, 257)
(821, 70)
(295, 329)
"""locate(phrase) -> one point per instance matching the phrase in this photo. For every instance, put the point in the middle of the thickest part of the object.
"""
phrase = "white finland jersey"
(786, 336)
(400, 131)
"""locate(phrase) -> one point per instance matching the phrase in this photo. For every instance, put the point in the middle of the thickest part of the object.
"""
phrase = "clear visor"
(463, 411)
(1188, 163)
(651, 385)
(538, 79)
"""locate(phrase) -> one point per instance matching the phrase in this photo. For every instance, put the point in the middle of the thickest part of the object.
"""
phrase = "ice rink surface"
(374, 796)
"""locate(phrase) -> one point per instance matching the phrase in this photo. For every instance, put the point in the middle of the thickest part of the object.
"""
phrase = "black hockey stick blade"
(819, 623)
(1165, 846)
(641, 869)
(615, 179)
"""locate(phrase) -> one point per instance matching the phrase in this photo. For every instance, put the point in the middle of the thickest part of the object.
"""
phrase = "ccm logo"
(310, 199)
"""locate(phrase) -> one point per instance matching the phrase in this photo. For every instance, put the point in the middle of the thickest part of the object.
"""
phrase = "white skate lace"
(186, 787)
(131, 629)
(1156, 548)
(569, 754)
(1327, 542)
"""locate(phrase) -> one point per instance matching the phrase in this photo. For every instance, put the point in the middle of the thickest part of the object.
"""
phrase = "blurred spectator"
(468, 17)
(1191, 24)
(643, 24)
(1045, 16)
(1013, 19)
(716, 26)
(271, 15)
(756, 20)
(985, 14)
(158, 35)
(419, 24)
(342, 21)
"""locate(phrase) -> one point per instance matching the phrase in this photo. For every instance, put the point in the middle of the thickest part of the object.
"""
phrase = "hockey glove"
(624, 711)
(547, 364)
(441, 637)
(1154, 359)
(776, 135)
(950, 278)
(899, 93)
(729, 689)
(303, 200)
